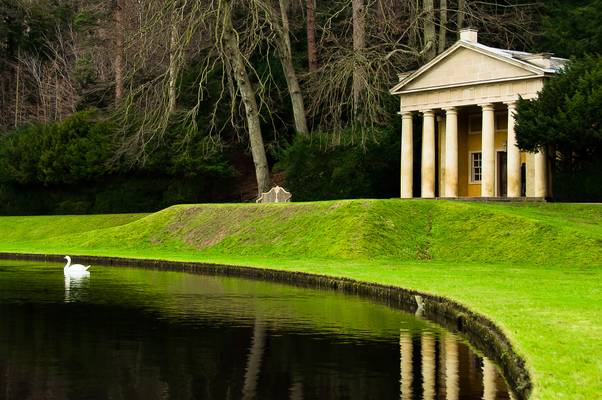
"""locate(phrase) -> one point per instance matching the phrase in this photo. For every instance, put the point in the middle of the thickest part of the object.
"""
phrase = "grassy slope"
(533, 268)
(26, 229)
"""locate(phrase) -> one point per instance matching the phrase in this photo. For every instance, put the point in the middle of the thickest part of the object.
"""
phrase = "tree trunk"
(286, 59)
(430, 38)
(236, 60)
(359, 44)
(119, 18)
(461, 13)
(57, 98)
(381, 17)
(173, 63)
(413, 10)
(312, 53)
(442, 25)
(17, 91)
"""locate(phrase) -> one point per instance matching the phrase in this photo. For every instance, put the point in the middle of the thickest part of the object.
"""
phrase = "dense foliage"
(71, 167)
(316, 170)
(566, 114)
(566, 120)
(571, 27)
(30, 26)
(181, 112)
(69, 151)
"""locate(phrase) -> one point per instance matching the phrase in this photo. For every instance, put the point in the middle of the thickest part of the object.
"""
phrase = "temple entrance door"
(502, 174)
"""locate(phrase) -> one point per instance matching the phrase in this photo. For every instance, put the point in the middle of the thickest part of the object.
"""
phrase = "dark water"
(130, 333)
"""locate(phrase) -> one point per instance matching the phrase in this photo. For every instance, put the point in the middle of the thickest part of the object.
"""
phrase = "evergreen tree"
(566, 116)
(572, 27)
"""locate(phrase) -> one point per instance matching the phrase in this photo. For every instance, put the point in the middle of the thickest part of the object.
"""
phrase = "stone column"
(428, 366)
(407, 155)
(451, 152)
(440, 154)
(407, 377)
(513, 154)
(541, 176)
(489, 373)
(488, 152)
(428, 155)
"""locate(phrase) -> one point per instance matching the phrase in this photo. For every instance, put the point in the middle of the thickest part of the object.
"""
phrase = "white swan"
(74, 269)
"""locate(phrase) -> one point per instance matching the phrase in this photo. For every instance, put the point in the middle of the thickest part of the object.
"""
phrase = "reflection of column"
(513, 154)
(488, 152)
(407, 155)
(428, 154)
(254, 362)
(428, 366)
(452, 390)
(405, 348)
(451, 152)
(296, 391)
(541, 181)
(489, 374)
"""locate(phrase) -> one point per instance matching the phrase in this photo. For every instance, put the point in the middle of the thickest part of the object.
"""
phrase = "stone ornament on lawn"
(276, 194)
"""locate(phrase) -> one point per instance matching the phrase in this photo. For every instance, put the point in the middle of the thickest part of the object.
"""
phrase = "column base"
(498, 199)
(485, 199)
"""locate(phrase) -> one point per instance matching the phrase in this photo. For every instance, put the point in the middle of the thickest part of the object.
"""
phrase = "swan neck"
(68, 261)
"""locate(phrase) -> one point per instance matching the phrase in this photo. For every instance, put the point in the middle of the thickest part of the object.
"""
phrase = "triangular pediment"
(464, 64)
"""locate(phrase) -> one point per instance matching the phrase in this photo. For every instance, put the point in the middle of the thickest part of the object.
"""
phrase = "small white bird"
(71, 269)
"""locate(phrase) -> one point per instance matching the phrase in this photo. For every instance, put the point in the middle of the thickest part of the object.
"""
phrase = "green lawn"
(534, 269)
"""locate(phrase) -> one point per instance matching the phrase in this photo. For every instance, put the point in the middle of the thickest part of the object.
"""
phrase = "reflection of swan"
(76, 285)
(75, 269)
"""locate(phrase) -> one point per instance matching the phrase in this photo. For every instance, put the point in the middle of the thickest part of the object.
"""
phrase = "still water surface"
(126, 333)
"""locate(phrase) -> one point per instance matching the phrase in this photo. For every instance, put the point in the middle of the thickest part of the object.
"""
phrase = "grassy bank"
(535, 269)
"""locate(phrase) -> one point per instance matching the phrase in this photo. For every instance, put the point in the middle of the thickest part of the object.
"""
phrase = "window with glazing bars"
(475, 167)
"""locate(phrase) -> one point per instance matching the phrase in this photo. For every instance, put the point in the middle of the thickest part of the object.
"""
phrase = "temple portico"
(479, 174)
(466, 98)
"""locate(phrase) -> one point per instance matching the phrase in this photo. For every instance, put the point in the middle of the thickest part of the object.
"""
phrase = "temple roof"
(468, 56)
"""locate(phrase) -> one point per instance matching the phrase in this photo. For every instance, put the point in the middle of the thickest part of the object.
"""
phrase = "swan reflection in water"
(76, 286)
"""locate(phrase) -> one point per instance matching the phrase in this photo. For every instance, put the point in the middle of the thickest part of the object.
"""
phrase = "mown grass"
(535, 269)
(26, 229)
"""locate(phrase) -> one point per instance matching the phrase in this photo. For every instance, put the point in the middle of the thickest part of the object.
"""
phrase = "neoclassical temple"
(467, 98)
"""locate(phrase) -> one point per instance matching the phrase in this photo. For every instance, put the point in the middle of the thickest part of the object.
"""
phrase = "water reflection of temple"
(431, 365)
(188, 336)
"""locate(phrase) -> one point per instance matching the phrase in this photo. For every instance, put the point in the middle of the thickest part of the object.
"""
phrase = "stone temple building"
(467, 98)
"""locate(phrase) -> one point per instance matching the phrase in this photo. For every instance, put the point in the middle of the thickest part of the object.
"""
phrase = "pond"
(129, 333)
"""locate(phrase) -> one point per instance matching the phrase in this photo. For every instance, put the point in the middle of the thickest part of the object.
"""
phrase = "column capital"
(486, 106)
(451, 110)
(406, 114)
(511, 104)
(429, 113)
